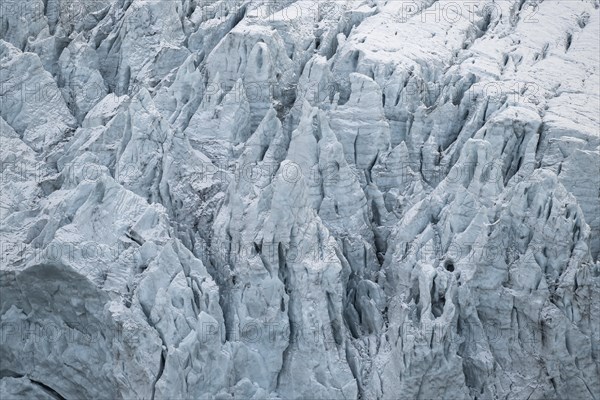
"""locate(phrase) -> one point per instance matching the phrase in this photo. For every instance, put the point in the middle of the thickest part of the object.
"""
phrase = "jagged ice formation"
(361, 199)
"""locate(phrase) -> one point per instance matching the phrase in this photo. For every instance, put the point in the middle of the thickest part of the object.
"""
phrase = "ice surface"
(299, 199)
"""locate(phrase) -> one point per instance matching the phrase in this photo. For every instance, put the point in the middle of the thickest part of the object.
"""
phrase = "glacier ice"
(343, 199)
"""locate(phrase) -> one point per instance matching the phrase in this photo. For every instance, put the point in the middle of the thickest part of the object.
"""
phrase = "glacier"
(300, 199)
